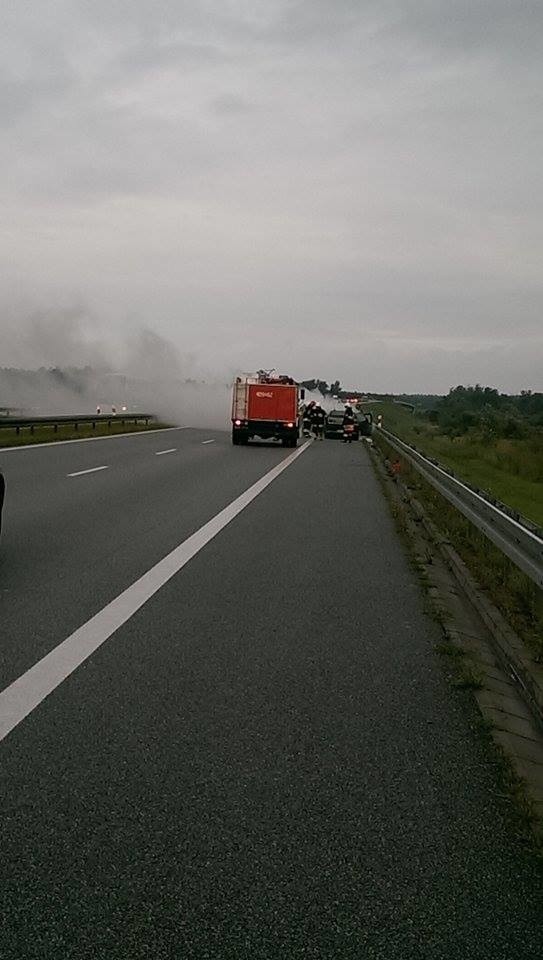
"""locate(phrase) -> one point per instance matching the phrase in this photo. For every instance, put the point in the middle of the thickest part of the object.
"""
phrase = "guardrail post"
(76, 425)
(31, 428)
(55, 428)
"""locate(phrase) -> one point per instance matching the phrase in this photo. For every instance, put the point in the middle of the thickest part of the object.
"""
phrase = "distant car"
(2, 492)
(333, 429)
(334, 424)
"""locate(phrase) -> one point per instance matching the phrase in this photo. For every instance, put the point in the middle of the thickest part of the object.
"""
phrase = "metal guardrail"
(514, 535)
(32, 422)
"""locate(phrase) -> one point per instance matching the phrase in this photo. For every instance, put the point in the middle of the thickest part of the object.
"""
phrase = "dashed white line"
(27, 692)
(207, 441)
(160, 453)
(79, 473)
(62, 443)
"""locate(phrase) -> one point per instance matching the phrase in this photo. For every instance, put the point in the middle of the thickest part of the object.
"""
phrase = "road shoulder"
(478, 645)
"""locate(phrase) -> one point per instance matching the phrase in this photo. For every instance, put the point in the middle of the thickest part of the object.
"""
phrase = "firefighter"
(348, 424)
(306, 418)
(318, 419)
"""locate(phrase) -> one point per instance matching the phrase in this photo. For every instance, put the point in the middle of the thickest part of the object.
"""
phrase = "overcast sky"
(341, 188)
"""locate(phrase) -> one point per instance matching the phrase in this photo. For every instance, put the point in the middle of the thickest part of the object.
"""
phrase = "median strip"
(79, 473)
(15, 448)
(22, 696)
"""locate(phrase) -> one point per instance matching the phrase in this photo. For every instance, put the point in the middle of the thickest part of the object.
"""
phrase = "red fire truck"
(265, 405)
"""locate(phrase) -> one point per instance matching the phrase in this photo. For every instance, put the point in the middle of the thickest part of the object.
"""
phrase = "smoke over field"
(68, 362)
(65, 364)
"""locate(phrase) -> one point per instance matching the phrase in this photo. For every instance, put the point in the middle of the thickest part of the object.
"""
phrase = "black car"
(334, 425)
(365, 423)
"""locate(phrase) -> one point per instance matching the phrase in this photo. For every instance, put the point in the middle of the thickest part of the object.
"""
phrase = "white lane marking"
(159, 453)
(207, 441)
(79, 473)
(60, 443)
(27, 692)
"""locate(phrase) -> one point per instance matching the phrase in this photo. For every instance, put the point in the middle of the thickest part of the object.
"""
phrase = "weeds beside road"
(512, 592)
(432, 531)
(511, 470)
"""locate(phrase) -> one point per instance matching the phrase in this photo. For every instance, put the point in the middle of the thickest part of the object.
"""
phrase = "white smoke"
(327, 403)
(66, 361)
(63, 361)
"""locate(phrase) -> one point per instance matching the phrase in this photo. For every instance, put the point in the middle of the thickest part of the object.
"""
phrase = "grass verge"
(513, 791)
(512, 592)
(508, 470)
(465, 675)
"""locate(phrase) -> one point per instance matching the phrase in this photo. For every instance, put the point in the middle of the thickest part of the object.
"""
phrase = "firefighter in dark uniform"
(306, 418)
(318, 419)
(348, 425)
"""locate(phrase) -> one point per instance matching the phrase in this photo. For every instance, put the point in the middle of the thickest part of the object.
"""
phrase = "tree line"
(483, 410)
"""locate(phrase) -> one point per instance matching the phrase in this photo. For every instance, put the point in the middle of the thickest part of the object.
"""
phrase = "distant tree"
(530, 404)
(489, 423)
(57, 374)
(514, 429)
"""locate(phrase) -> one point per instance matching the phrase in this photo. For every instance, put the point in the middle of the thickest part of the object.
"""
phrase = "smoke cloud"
(63, 362)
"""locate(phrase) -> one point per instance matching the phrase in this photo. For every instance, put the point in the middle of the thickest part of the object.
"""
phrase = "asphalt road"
(267, 759)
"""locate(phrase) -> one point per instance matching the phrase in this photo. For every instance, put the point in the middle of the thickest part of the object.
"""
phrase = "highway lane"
(266, 760)
(71, 544)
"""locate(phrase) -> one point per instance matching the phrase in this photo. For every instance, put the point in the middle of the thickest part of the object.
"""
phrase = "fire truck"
(265, 405)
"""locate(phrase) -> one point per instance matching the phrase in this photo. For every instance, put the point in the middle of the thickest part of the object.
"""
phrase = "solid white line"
(28, 691)
(207, 441)
(159, 453)
(79, 473)
(60, 443)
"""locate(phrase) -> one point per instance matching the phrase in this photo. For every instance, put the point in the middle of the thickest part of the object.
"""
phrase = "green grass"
(510, 589)
(509, 470)
(46, 433)
(449, 649)
(468, 679)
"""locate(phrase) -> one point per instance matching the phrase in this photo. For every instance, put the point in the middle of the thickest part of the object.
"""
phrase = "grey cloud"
(56, 337)
(281, 167)
(474, 26)
(231, 105)
(148, 55)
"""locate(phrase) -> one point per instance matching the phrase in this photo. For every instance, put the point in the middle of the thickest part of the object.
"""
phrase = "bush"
(514, 429)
